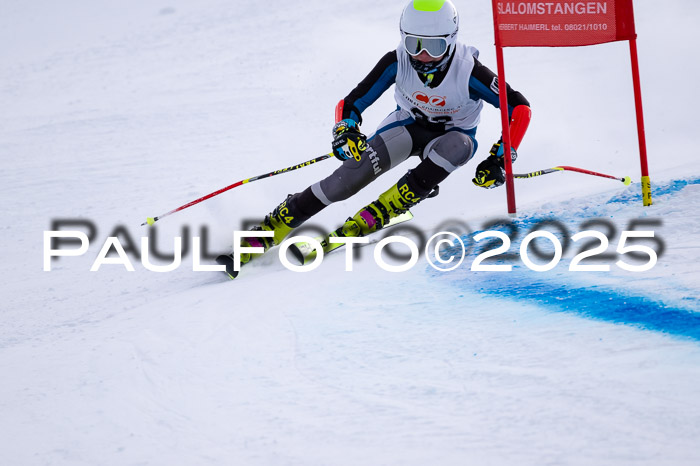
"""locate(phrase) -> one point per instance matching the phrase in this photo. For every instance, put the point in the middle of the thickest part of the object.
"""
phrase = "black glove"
(348, 141)
(491, 173)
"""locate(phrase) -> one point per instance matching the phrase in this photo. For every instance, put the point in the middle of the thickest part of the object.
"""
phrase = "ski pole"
(152, 220)
(625, 179)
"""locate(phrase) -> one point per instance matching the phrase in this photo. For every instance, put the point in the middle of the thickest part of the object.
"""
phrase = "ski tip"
(627, 180)
(227, 261)
(296, 252)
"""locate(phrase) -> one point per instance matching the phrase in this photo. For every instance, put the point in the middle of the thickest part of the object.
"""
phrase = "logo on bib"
(433, 100)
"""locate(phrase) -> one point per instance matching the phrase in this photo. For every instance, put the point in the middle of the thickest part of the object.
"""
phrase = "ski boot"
(395, 201)
(390, 208)
(280, 221)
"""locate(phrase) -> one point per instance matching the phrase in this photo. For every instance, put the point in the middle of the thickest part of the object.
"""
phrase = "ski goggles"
(435, 46)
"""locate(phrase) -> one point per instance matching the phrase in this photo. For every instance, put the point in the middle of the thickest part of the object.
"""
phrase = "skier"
(440, 87)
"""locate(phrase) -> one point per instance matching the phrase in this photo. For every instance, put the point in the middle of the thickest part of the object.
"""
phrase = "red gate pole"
(505, 123)
(646, 183)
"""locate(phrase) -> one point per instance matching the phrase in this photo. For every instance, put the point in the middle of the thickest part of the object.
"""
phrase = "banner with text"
(563, 23)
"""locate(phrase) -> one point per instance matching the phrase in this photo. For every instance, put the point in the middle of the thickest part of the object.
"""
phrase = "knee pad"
(451, 150)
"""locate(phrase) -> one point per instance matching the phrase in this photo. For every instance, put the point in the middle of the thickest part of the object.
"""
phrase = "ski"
(227, 261)
(305, 253)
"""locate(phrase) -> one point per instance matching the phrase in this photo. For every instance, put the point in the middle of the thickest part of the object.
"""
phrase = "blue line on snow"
(662, 190)
(597, 303)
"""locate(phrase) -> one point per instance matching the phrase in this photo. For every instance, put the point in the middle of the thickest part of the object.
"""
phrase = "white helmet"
(429, 25)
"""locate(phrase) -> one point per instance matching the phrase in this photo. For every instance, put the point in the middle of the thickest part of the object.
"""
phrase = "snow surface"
(115, 111)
